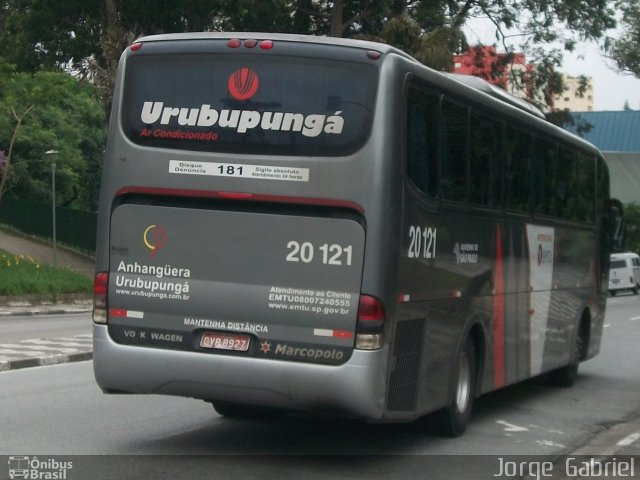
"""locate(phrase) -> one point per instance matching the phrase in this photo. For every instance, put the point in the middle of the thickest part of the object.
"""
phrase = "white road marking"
(511, 428)
(629, 440)
(549, 443)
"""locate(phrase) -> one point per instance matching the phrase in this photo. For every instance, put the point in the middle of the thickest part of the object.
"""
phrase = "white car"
(624, 273)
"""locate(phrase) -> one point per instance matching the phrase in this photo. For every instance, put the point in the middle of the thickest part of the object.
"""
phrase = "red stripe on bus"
(498, 315)
(342, 334)
(256, 197)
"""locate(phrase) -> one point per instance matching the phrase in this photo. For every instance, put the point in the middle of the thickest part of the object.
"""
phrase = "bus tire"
(566, 376)
(635, 290)
(452, 420)
(237, 410)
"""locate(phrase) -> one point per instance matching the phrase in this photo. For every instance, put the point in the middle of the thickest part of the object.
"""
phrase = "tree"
(89, 35)
(66, 116)
(6, 160)
(41, 34)
(625, 51)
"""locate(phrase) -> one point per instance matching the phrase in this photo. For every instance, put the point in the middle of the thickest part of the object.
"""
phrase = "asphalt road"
(58, 410)
(14, 329)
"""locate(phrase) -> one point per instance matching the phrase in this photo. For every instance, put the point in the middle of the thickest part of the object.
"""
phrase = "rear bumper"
(621, 285)
(356, 388)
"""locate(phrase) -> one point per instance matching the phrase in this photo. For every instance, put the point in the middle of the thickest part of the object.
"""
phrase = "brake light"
(100, 290)
(250, 43)
(370, 324)
(373, 54)
(136, 46)
(370, 309)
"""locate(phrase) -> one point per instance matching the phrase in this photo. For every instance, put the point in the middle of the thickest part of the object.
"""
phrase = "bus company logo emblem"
(545, 256)
(545, 248)
(265, 347)
(466, 253)
(155, 237)
(243, 84)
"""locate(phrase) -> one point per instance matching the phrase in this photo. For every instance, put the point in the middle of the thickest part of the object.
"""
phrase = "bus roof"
(484, 86)
(281, 37)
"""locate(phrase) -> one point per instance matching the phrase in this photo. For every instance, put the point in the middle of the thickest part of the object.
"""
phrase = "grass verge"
(22, 275)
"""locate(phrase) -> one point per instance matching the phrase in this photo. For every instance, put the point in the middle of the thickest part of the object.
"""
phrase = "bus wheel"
(237, 410)
(452, 420)
(566, 376)
(635, 290)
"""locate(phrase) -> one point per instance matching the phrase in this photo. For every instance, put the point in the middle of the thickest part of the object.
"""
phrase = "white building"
(570, 100)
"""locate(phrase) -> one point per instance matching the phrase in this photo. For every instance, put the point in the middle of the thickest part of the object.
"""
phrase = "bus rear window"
(250, 104)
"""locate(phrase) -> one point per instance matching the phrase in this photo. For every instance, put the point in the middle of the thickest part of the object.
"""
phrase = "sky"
(610, 89)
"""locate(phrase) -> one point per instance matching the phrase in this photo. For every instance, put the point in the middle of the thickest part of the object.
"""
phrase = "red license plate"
(225, 341)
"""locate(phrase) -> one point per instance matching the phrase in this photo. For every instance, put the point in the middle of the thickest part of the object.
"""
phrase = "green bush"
(23, 275)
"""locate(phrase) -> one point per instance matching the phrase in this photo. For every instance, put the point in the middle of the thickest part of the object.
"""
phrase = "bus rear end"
(232, 226)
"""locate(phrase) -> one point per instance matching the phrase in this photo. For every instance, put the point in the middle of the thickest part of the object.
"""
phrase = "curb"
(27, 312)
(618, 438)
(45, 361)
(31, 305)
(44, 300)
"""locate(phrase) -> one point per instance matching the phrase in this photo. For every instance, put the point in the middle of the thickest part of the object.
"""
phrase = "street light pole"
(53, 204)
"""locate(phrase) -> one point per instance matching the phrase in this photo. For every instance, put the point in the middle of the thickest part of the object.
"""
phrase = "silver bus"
(294, 223)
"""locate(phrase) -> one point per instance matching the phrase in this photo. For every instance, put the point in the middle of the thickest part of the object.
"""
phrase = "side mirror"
(615, 226)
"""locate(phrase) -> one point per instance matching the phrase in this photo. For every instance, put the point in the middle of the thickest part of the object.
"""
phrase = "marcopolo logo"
(308, 353)
(243, 84)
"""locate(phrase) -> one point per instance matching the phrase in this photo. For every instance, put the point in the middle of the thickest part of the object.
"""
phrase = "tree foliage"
(87, 37)
(66, 116)
(625, 51)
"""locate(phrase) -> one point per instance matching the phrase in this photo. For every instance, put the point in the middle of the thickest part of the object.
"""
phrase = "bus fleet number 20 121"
(422, 242)
(330, 254)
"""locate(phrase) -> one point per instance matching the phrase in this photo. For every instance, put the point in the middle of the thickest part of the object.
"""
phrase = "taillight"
(250, 43)
(373, 54)
(370, 325)
(100, 290)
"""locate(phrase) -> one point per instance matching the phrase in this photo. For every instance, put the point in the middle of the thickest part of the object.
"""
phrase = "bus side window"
(517, 170)
(453, 184)
(543, 177)
(422, 154)
(484, 171)
(586, 198)
(566, 187)
(602, 187)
